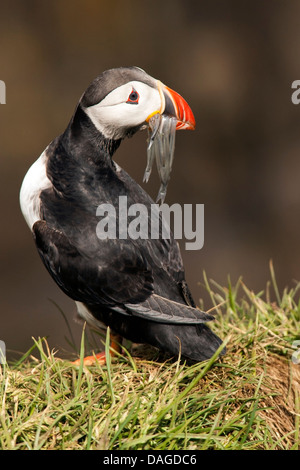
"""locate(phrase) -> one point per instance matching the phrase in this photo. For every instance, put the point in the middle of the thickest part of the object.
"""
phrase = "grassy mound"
(247, 399)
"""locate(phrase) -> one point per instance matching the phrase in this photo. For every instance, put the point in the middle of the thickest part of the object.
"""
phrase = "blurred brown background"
(233, 61)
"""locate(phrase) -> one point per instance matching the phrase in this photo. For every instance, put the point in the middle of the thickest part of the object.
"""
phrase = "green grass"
(247, 399)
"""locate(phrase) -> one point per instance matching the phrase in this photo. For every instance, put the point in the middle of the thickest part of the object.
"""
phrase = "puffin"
(135, 286)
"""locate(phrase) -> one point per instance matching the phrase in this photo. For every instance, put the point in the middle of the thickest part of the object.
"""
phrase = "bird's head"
(123, 100)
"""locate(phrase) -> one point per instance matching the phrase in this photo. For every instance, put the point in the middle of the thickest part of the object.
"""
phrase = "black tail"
(194, 342)
(197, 343)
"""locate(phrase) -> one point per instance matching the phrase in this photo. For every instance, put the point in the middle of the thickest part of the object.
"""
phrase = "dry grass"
(282, 390)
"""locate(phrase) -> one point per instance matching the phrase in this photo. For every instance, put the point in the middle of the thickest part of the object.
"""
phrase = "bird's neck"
(82, 140)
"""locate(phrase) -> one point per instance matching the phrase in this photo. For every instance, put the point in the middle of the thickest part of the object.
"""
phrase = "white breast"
(84, 313)
(35, 181)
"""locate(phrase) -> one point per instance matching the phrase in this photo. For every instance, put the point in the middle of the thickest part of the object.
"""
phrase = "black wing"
(80, 276)
(125, 284)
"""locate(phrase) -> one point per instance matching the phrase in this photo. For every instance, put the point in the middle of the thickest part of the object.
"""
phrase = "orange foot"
(90, 360)
(100, 358)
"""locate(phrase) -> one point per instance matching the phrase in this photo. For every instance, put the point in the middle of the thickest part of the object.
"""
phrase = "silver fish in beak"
(175, 114)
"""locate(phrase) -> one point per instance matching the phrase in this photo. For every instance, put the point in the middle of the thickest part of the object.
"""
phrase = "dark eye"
(133, 98)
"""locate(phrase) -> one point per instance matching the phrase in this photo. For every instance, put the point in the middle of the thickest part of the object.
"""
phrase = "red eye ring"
(134, 97)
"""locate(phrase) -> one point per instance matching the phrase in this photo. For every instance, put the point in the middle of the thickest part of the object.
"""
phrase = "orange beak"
(176, 106)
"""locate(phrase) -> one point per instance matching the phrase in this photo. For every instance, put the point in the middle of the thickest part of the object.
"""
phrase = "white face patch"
(34, 183)
(115, 113)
